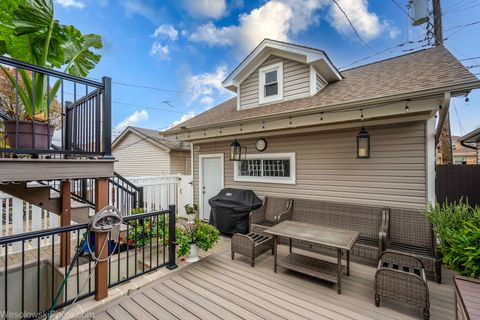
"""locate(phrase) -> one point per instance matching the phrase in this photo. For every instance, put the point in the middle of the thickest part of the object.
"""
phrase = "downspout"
(462, 142)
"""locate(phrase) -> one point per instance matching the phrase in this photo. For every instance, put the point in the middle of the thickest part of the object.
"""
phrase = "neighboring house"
(305, 116)
(462, 153)
(472, 139)
(144, 152)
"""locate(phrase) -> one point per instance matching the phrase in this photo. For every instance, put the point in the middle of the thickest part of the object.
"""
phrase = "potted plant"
(457, 226)
(194, 236)
(191, 211)
(30, 33)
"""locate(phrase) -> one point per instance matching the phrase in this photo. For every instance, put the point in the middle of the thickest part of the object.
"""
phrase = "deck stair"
(45, 197)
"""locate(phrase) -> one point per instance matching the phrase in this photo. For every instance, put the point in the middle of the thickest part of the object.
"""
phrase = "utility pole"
(437, 22)
(445, 138)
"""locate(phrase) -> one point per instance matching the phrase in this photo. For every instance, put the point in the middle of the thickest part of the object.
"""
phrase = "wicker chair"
(370, 221)
(411, 233)
(402, 277)
(273, 211)
(251, 245)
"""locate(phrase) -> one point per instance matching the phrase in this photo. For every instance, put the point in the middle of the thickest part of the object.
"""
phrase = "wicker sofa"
(370, 221)
(411, 233)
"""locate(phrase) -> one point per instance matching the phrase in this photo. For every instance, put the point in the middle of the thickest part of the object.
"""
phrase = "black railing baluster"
(136, 238)
(16, 107)
(38, 274)
(53, 267)
(48, 113)
(5, 272)
(128, 247)
(78, 273)
(118, 256)
(23, 277)
(143, 246)
(63, 116)
(66, 262)
(33, 110)
(158, 248)
(109, 259)
(164, 237)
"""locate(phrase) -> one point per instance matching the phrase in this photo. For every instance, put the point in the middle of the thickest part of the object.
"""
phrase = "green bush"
(458, 227)
(199, 233)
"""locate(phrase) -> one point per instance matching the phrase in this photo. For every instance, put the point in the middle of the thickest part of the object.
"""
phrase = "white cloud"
(159, 51)
(206, 8)
(132, 120)
(280, 19)
(138, 7)
(71, 4)
(205, 86)
(184, 118)
(166, 31)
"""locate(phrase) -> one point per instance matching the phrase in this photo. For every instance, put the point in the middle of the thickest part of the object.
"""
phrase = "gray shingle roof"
(157, 137)
(421, 70)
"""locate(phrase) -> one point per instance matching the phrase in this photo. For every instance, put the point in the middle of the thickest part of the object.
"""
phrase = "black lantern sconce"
(363, 144)
(237, 152)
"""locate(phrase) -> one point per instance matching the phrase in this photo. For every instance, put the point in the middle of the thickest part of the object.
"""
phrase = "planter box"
(467, 298)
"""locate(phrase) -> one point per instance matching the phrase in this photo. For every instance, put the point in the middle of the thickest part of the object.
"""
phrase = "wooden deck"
(219, 288)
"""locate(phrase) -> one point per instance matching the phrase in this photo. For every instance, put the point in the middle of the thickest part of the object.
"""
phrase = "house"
(462, 153)
(472, 140)
(363, 135)
(144, 152)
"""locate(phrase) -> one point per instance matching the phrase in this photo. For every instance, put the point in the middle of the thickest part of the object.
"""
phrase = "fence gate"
(454, 182)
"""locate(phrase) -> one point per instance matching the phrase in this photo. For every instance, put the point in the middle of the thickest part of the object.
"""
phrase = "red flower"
(129, 241)
(121, 237)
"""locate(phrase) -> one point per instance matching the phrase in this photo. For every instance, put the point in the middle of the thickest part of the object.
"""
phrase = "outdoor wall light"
(237, 152)
(363, 144)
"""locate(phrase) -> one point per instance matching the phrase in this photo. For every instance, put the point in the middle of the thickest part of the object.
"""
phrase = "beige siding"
(326, 167)
(296, 82)
(320, 83)
(180, 162)
(138, 157)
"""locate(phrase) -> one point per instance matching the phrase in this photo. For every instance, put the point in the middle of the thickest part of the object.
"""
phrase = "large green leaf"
(33, 16)
(80, 60)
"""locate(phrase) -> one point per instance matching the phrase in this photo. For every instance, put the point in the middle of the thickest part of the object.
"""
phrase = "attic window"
(270, 83)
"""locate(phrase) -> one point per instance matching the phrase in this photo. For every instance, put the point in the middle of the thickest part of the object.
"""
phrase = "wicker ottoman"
(402, 277)
(251, 245)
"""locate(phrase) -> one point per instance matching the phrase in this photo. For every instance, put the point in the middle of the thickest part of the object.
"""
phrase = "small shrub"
(458, 227)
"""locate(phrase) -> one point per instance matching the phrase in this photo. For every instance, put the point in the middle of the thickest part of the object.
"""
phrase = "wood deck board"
(219, 288)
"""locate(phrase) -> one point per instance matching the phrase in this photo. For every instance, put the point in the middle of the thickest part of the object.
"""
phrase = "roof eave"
(455, 89)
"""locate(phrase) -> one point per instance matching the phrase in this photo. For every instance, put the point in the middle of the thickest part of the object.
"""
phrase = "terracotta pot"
(43, 133)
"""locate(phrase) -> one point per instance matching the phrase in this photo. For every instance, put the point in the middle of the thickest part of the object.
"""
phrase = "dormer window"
(270, 83)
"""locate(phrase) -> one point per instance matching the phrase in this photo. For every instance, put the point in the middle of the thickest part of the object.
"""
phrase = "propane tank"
(418, 11)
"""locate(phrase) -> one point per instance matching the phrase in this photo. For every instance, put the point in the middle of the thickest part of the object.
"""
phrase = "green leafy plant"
(29, 32)
(458, 227)
(202, 234)
(191, 209)
(142, 231)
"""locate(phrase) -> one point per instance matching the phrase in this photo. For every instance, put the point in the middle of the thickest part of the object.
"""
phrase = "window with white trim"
(269, 168)
(270, 83)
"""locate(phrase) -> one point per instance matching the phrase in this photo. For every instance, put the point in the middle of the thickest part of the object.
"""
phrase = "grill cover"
(230, 210)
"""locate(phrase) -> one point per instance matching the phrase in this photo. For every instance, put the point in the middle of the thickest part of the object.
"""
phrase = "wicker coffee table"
(341, 240)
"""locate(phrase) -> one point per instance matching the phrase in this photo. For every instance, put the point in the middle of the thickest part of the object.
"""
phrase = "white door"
(211, 181)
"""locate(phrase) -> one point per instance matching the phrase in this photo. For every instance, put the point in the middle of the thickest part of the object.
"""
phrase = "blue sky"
(185, 48)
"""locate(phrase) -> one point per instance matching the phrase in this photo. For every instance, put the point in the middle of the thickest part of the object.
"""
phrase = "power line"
(472, 58)
(150, 87)
(145, 107)
(383, 51)
(353, 27)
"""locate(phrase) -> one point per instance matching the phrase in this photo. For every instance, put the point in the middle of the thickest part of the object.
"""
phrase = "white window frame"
(267, 156)
(261, 83)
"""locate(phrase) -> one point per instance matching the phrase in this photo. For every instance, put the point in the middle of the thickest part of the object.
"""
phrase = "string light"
(263, 124)
(321, 116)
(176, 136)
(204, 133)
(407, 108)
(221, 129)
(361, 115)
(290, 123)
(189, 134)
(467, 99)
(241, 128)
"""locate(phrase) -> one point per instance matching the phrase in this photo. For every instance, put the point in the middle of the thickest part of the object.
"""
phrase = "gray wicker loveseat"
(370, 221)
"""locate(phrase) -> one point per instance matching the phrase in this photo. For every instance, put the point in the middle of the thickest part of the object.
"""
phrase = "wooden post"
(65, 218)
(101, 270)
(437, 22)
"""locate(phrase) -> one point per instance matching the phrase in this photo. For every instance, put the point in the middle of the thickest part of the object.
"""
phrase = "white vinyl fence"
(19, 216)
(161, 191)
